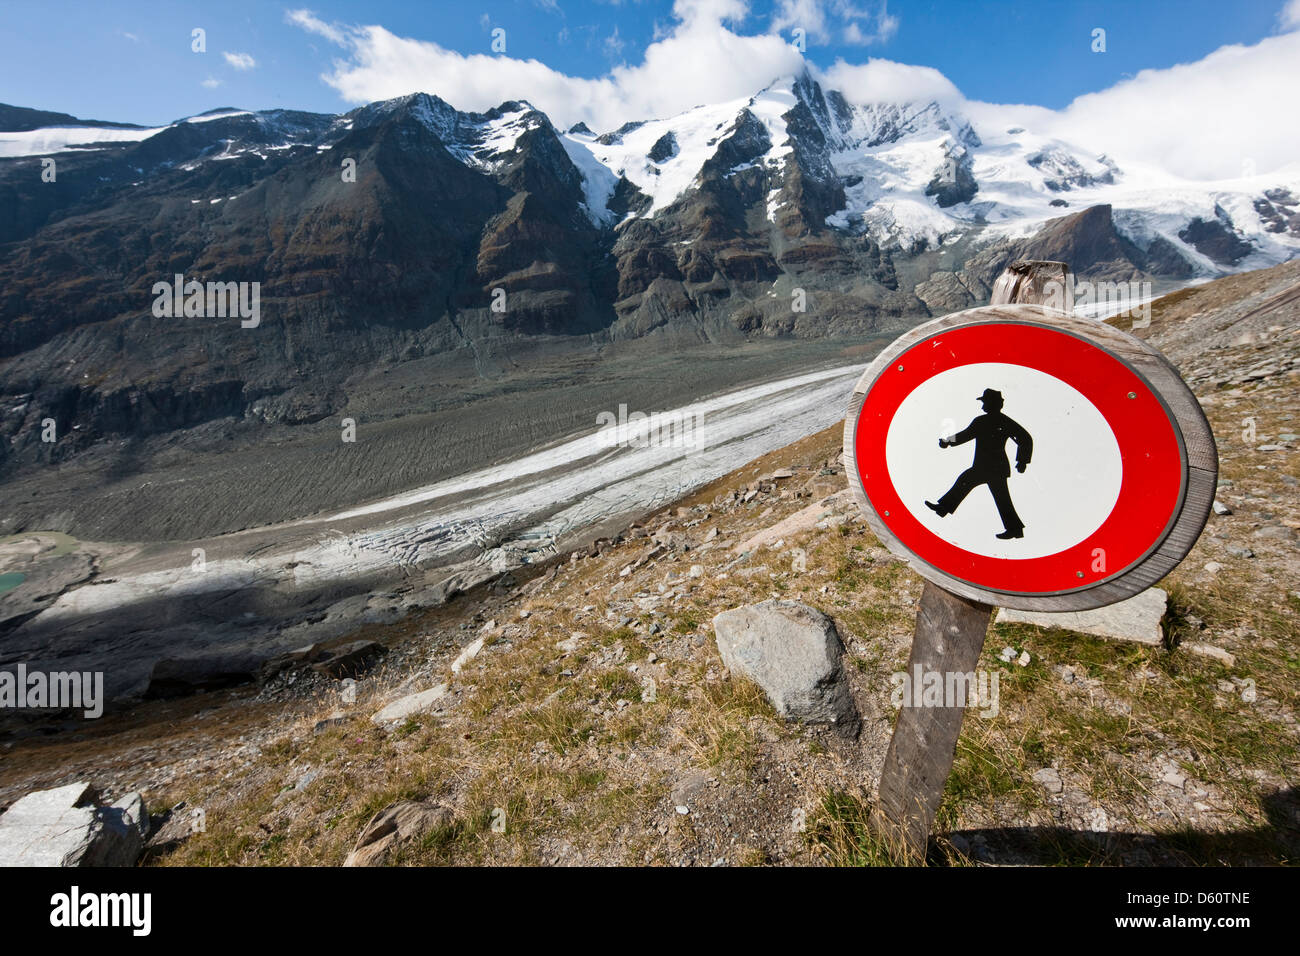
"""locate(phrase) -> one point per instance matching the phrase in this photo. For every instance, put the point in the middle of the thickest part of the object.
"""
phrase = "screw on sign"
(1016, 456)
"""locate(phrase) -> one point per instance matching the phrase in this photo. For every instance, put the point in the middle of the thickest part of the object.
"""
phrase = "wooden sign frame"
(953, 617)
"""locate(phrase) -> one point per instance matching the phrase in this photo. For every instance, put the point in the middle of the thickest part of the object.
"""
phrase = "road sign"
(1016, 456)
(1023, 458)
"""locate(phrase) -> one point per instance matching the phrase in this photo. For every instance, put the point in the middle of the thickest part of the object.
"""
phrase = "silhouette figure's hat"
(990, 393)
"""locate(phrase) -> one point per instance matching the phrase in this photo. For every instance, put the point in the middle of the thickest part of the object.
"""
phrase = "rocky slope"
(587, 701)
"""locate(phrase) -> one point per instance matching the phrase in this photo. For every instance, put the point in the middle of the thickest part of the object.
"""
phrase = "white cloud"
(885, 81)
(309, 22)
(240, 61)
(211, 83)
(807, 15)
(1289, 16)
(1201, 120)
(821, 20)
(613, 45)
(700, 60)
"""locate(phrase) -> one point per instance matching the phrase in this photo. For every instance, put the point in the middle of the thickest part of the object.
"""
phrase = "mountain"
(463, 232)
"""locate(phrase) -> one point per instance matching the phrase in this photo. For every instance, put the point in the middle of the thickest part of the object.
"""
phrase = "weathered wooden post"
(1115, 471)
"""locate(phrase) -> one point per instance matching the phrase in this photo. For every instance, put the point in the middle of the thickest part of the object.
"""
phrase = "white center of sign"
(1068, 488)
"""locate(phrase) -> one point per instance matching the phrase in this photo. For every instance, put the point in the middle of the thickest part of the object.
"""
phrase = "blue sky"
(132, 61)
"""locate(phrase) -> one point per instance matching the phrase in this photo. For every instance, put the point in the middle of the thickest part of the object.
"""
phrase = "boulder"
(1136, 619)
(67, 827)
(393, 827)
(792, 652)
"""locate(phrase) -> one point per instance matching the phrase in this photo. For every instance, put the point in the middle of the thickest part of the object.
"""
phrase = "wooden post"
(949, 637)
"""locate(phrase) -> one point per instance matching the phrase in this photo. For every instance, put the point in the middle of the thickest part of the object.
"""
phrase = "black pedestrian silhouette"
(990, 467)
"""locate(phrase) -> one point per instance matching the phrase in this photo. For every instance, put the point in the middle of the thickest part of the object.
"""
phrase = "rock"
(1220, 508)
(1048, 779)
(1209, 650)
(468, 654)
(1214, 567)
(348, 660)
(1241, 552)
(395, 827)
(181, 676)
(793, 653)
(697, 571)
(336, 719)
(802, 520)
(1023, 659)
(410, 705)
(568, 645)
(1136, 619)
(1007, 655)
(66, 827)
(171, 828)
(1276, 532)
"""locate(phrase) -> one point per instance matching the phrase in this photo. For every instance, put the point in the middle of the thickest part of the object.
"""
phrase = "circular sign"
(1021, 457)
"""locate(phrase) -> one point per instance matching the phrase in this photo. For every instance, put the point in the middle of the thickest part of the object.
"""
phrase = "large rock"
(1137, 619)
(793, 653)
(393, 827)
(66, 827)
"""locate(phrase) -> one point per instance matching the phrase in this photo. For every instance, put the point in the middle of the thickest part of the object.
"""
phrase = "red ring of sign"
(1151, 450)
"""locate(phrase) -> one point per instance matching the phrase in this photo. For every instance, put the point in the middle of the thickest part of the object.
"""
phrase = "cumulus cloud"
(885, 81)
(1289, 16)
(1216, 118)
(826, 20)
(211, 83)
(699, 60)
(240, 61)
(807, 15)
(1204, 120)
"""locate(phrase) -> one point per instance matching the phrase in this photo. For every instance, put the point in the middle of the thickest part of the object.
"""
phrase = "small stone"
(468, 654)
(1209, 650)
(1174, 779)
(1023, 659)
(336, 719)
(1241, 552)
(1048, 779)
(1220, 508)
(697, 570)
(1007, 655)
(1214, 567)
(683, 810)
(410, 705)
(397, 825)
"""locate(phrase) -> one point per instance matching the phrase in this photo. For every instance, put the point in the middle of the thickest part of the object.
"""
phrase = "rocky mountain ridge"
(406, 229)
